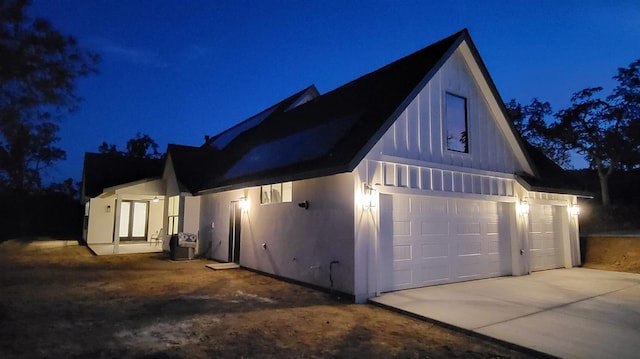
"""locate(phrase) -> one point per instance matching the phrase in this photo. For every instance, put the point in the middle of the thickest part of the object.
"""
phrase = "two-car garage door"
(431, 240)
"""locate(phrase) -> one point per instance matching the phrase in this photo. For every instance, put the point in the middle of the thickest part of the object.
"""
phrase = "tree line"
(39, 69)
(604, 130)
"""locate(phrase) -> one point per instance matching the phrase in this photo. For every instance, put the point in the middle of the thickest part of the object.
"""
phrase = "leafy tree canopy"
(531, 122)
(605, 130)
(141, 146)
(39, 67)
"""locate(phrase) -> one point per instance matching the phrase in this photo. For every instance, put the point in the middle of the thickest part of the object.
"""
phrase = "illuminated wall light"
(155, 199)
(523, 207)
(574, 210)
(369, 197)
(244, 204)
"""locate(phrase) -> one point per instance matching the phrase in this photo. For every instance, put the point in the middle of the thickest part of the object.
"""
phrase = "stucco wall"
(100, 228)
(299, 243)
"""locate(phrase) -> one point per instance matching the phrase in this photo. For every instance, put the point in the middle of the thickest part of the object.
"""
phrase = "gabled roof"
(190, 164)
(105, 170)
(330, 133)
(309, 135)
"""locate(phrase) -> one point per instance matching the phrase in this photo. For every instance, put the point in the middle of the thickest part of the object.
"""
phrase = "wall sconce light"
(522, 207)
(155, 199)
(370, 197)
(304, 204)
(244, 204)
(108, 209)
(574, 210)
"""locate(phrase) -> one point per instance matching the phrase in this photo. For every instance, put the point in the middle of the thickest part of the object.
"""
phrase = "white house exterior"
(368, 191)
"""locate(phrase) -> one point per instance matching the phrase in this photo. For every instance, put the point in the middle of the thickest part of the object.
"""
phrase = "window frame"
(173, 215)
(281, 192)
(449, 120)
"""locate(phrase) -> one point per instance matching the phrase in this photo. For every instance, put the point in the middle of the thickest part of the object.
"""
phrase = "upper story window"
(456, 123)
(276, 193)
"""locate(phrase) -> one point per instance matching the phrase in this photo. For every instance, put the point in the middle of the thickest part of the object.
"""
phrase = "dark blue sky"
(179, 70)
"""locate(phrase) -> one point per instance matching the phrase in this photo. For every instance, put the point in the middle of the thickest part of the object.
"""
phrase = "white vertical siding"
(418, 133)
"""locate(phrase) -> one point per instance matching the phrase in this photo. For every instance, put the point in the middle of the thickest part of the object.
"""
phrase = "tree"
(531, 123)
(605, 131)
(588, 127)
(38, 71)
(625, 102)
(141, 146)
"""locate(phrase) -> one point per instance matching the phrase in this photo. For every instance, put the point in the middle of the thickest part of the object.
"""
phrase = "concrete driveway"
(569, 313)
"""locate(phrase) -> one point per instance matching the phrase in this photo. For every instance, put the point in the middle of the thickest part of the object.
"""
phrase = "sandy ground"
(61, 301)
(620, 254)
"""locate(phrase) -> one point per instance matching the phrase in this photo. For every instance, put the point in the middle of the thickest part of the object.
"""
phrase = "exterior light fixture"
(369, 197)
(155, 199)
(574, 210)
(108, 209)
(244, 204)
(523, 207)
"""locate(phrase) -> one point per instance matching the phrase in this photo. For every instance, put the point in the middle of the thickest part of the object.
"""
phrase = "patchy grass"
(61, 301)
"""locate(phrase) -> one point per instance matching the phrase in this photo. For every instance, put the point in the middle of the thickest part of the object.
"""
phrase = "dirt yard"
(64, 302)
(620, 254)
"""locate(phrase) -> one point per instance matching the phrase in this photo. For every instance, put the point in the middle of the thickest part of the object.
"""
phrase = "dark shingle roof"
(309, 135)
(103, 171)
(551, 177)
(327, 135)
(191, 164)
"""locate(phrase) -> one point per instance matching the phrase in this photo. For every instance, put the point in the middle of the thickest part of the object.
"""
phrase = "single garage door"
(545, 247)
(431, 240)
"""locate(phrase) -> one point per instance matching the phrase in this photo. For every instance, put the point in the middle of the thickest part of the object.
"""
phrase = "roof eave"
(360, 155)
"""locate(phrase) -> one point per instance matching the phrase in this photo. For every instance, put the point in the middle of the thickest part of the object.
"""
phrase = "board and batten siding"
(419, 131)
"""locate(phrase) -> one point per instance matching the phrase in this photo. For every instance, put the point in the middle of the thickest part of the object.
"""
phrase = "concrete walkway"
(127, 248)
(569, 313)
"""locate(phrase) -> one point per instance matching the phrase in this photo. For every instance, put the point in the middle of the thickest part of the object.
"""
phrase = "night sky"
(180, 70)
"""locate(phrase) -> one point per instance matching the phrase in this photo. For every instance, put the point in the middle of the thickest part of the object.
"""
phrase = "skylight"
(302, 146)
(229, 135)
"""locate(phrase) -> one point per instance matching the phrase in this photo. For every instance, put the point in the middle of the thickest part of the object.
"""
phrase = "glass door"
(133, 220)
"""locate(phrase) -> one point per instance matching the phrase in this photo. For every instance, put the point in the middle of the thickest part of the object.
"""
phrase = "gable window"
(276, 193)
(173, 214)
(456, 123)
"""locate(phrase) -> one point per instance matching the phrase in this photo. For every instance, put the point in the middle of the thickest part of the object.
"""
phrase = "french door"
(134, 216)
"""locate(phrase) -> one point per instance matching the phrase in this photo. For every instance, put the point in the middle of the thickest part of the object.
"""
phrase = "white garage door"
(545, 245)
(429, 240)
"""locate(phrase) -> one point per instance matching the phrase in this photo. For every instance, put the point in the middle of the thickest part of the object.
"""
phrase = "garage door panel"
(430, 228)
(494, 246)
(470, 267)
(402, 252)
(467, 208)
(468, 228)
(457, 240)
(403, 277)
(433, 206)
(433, 272)
(434, 250)
(401, 228)
(545, 251)
(470, 245)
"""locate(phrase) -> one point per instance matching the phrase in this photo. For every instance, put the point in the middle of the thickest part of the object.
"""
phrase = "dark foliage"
(141, 146)
(39, 67)
(40, 214)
